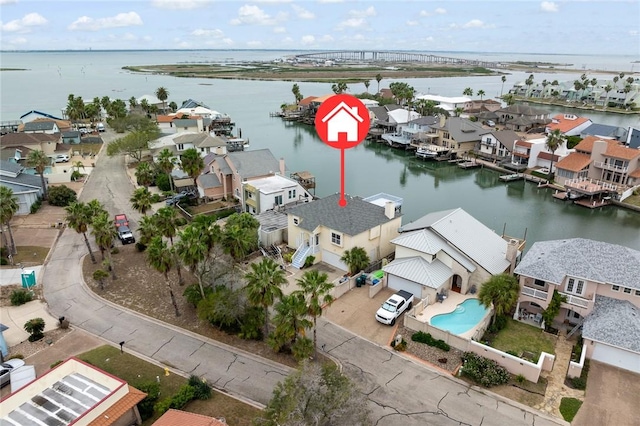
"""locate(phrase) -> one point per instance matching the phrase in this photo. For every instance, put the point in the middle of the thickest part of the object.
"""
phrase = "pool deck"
(446, 307)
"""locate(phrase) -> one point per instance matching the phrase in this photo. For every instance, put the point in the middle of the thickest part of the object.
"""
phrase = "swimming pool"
(466, 316)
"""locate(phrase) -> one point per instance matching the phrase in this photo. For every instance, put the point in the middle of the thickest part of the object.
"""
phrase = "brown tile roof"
(306, 101)
(635, 173)
(524, 143)
(574, 162)
(183, 418)
(321, 99)
(548, 156)
(27, 139)
(586, 144)
(618, 151)
(564, 125)
(165, 118)
(117, 410)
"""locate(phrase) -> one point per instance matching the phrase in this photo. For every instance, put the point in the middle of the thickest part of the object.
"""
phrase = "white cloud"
(476, 23)
(17, 41)
(352, 23)
(201, 32)
(8, 1)
(370, 11)
(326, 38)
(254, 43)
(308, 39)
(440, 11)
(24, 24)
(302, 13)
(228, 41)
(250, 14)
(548, 6)
(279, 30)
(330, 1)
(86, 23)
(287, 40)
(412, 23)
(424, 13)
(428, 39)
(180, 4)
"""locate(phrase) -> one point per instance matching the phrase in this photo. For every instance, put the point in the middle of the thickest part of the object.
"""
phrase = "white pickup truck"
(394, 307)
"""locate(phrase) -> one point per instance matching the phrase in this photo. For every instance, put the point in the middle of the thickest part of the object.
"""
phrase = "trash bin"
(361, 280)
(28, 278)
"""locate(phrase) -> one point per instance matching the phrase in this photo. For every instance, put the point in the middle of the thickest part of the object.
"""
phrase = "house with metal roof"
(448, 250)
(600, 285)
(27, 188)
(326, 230)
(75, 393)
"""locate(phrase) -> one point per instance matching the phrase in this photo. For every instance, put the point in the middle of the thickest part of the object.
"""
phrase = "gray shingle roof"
(417, 269)
(249, 164)
(209, 180)
(25, 179)
(615, 322)
(10, 166)
(462, 129)
(592, 260)
(356, 217)
(38, 126)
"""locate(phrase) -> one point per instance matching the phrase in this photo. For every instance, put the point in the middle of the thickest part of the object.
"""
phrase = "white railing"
(575, 300)
(538, 294)
(604, 165)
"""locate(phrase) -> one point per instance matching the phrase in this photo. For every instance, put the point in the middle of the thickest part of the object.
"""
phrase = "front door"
(456, 283)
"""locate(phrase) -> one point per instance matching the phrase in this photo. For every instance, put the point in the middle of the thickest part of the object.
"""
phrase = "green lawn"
(518, 337)
(569, 408)
(135, 370)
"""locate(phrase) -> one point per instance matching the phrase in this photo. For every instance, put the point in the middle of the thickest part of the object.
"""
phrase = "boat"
(431, 152)
(394, 139)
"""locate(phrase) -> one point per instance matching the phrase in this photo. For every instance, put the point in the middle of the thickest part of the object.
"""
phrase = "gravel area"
(430, 354)
(27, 348)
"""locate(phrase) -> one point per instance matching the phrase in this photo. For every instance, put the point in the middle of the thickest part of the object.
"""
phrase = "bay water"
(49, 77)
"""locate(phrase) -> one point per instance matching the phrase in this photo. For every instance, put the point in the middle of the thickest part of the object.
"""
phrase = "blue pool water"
(466, 316)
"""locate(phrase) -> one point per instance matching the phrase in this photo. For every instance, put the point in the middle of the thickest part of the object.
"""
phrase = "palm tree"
(504, 79)
(356, 259)
(78, 217)
(339, 87)
(160, 258)
(144, 174)
(162, 94)
(141, 200)
(502, 292)
(296, 92)
(238, 241)
(39, 161)
(166, 162)
(144, 104)
(192, 164)
(555, 140)
(317, 292)
(263, 286)
(378, 79)
(468, 91)
(366, 85)
(289, 321)
(194, 247)
(77, 165)
(8, 207)
(133, 102)
(95, 208)
(167, 225)
(481, 93)
(104, 231)
(607, 89)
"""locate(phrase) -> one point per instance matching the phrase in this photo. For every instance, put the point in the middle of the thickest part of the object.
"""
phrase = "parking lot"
(355, 311)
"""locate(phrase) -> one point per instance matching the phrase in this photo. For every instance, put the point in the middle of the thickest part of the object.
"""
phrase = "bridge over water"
(395, 57)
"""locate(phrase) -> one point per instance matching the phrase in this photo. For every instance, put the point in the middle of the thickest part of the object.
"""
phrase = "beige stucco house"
(601, 284)
(325, 230)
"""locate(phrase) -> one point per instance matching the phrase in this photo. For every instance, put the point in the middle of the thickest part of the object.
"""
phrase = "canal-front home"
(600, 283)
(497, 144)
(459, 135)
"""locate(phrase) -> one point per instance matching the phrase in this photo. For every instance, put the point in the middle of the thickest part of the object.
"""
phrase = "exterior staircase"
(300, 256)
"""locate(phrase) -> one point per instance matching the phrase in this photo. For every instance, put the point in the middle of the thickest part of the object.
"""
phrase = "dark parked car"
(7, 366)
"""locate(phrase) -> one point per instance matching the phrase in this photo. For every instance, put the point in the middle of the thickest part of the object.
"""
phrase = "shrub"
(400, 347)
(251, 323)
(4, 252)
(302, 348)
(155, 198)
(483, 371)
(520, 378)
(498, 324)
(287, 257)
(426, 338)
(145, 407)
(579, 383)
(35, 327)
(181, 221)
(20, 297)
(569, 408)
(75, 175)
(202, 389)
(17, 356)
(4, 261)
(36, 206)
(184, 395)
(62, 196)
(162, 182)
(514, 353)
(193, 295)
(141, 247)
(308, 262)
(55, 364)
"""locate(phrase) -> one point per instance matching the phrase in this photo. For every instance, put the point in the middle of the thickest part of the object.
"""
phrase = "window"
(627, 290)
(295, 221)
(615, 288)
(539, 283)
(278, 200)
(336, 239)
(574, 287)
(292, 193)
(180, 147)
(637, 292)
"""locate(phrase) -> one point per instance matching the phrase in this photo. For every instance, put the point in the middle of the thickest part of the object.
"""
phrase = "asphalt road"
(401, 391)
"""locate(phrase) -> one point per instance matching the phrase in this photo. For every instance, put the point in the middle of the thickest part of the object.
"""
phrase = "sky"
(523, 26)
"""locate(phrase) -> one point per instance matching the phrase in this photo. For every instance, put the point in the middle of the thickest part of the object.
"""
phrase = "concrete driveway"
(355, 311)
(611, 397)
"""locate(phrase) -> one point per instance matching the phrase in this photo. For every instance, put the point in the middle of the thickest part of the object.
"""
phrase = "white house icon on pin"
(343, 119)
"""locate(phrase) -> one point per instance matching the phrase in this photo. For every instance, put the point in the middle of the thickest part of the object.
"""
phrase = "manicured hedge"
(426, 338)
(483, 371)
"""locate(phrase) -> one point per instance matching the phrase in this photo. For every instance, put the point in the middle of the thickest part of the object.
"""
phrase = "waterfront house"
(605, 131)
(448, 250)
(71, 137)
(610, 162)
(50, 144)
(27, 188)
(478, 106)
(177, 143)
(568, 124)
(151, 100)
(458, 134)
(417, 130)
(34, 115)
(497, 144)
(326, 230)
(272, 192)
(522, 118)
(191, 125)
(38, 126)
(448, 103)
(601, 286)
(531, 152)
(76, 392)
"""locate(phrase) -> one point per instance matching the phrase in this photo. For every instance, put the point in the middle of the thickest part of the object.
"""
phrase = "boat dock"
(468, 165)
(561, 195)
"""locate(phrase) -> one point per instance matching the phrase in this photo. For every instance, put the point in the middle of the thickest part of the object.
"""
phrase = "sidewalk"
(14, 276)
(15, 317)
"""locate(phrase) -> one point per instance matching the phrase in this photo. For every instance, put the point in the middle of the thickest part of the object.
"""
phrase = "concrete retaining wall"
(575, 368)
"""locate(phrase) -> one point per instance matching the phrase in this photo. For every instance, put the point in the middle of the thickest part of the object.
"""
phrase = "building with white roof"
(272, 192)
(448, 103)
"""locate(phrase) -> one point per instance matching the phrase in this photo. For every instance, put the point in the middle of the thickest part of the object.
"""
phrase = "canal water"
(370, 167)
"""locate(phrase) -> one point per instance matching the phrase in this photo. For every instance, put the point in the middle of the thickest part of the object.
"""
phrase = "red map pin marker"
(342, 122)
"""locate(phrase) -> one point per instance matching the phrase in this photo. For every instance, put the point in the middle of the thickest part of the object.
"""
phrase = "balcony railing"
(538, 294)
(575, 300)
(613, 167)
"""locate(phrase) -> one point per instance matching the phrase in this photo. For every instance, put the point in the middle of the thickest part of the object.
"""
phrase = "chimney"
(512, 253)
(443, 120)
(389, 209)
(282, 166)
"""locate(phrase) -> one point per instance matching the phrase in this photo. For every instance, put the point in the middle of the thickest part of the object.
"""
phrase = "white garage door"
(616, 357)
(333, 260)
(397, 283)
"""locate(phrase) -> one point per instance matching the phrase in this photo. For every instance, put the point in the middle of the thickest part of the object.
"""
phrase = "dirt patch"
(28, 256)
(143, 289)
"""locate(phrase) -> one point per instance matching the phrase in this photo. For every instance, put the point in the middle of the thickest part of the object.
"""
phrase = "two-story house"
(568, 124)
(601, 286)
(460, 135)
(27, 188)
(497, 144)
(522, 118)
(532, 152)
(448, 250)
(272, 192)
(418, 129)
(326, 230)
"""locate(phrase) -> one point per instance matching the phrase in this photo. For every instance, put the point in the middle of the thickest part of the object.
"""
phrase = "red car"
(121, 219)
